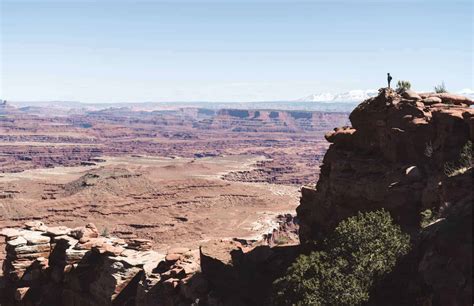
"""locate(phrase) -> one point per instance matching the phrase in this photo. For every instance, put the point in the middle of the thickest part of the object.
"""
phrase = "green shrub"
(361, 250)
(441, 88)
(282, 240)
(317, 279)
(463, 164)
(105, 232)
(403, 85)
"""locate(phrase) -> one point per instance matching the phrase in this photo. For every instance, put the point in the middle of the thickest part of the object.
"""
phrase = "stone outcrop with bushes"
(393, 157)
(361, 250)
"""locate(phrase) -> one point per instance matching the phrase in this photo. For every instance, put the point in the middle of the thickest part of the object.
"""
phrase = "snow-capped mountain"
(360, 95)
(350, 96)
(323, 97)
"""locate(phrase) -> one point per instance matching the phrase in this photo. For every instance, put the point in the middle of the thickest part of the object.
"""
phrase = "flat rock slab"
(58, 231)
(10, 233)
(18, 241)
(34, 237)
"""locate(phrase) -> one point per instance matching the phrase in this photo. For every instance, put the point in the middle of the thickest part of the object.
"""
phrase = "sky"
(237, 50)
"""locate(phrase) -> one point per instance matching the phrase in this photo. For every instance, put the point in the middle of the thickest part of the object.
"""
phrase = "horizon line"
(464, 91)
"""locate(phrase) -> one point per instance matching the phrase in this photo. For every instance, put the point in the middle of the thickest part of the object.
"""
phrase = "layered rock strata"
(63, 266)
(60, 266)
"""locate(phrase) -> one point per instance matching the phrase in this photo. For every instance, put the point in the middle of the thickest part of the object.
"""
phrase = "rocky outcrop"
(63, 266)
(60, 266)
(402, 153)
(392, 157)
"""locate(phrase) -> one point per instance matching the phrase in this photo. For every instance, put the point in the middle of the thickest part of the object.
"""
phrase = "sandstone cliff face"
(392, 157)
(398, 155)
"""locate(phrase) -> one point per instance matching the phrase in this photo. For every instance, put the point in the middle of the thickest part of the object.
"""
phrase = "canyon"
(175, 177)
(199, 210)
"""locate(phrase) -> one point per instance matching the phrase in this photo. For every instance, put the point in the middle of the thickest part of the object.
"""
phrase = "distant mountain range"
(467, 92)
(325, 102)
(349, 96)
(358, 96)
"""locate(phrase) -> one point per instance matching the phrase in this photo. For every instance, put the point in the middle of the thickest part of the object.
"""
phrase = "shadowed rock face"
(438, 270)
(242, 276)
(392, 157)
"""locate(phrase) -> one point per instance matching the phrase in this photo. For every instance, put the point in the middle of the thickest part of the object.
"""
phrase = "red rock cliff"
(392, 157)
(403, 153)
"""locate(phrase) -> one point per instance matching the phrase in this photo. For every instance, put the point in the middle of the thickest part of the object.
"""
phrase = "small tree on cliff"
(403, 85)
(361, 250)
(441, 88)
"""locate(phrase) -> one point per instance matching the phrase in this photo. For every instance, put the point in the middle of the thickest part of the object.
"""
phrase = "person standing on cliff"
(389, 79)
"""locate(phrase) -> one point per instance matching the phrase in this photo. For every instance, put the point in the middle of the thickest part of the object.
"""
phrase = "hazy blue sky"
(110, 51)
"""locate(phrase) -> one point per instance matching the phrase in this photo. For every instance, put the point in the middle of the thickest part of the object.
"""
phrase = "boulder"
(88, 231)
(410, 95)
(172, 257)
(35, 226)
(108, 249)
(431, 100)
(58, 231)
(89, 243)
(35, 237)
